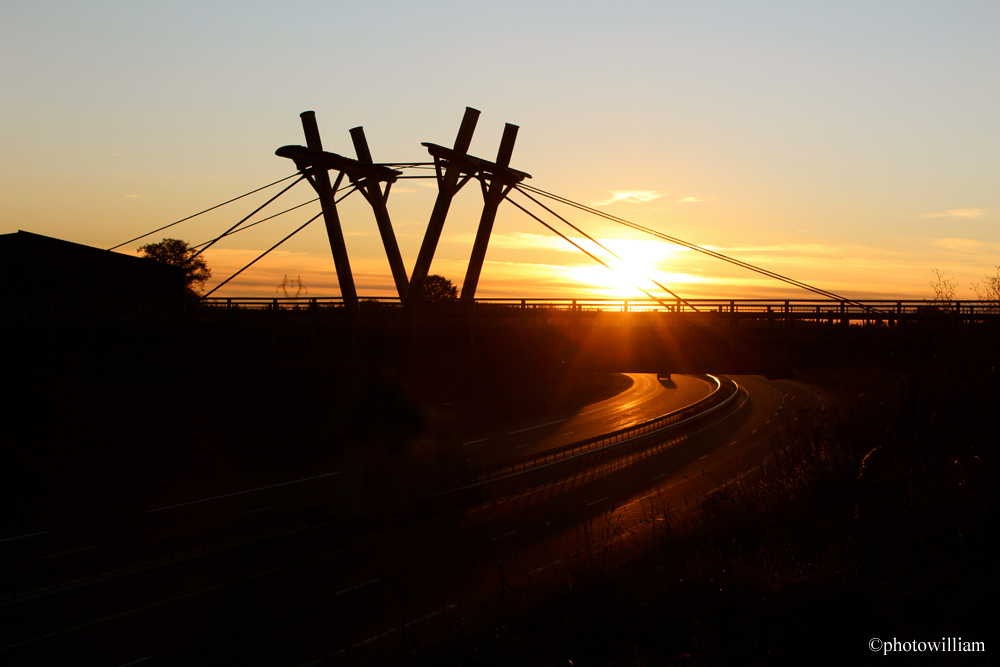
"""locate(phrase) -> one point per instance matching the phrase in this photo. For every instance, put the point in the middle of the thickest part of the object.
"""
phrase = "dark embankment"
(879, 521)
(115, 426)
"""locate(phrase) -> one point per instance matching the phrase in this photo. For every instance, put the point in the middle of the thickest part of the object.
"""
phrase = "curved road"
(90, 536)
(647, 398)
(315, 595)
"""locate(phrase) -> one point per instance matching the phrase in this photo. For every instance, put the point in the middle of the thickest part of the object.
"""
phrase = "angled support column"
(371, 188)
(321, 182)
(455, 165)
(500, 183)
(316, 164)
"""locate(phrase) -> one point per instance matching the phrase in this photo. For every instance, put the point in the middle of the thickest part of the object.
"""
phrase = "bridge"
(662, 332)
(71, 579)
(451, 169)
(748, 336)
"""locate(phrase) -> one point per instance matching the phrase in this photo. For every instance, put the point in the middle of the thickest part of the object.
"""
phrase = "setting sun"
(640, 263)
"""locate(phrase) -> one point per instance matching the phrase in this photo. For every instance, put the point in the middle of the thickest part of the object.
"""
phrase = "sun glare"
(640, 263)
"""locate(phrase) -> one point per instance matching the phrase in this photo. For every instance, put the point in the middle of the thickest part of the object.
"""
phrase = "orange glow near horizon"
(554, 273)
(638, 264)
(833, 179)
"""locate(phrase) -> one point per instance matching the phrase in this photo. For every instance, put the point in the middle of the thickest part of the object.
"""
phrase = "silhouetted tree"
(944, 288)
(174, 252)
(988, 289)
(438, 288)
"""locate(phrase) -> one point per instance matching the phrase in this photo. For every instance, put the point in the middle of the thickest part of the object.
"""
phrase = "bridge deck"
(386, 312)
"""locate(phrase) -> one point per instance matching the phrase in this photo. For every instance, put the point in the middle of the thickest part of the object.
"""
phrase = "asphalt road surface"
(646, 399)
(84, 534)
(318, 593)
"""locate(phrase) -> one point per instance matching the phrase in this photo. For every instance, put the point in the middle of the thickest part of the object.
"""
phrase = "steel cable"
(205, 211)
(270, 217)
(695, 247)
(260, 257)
(581, 248)
(605, 248)
(255, 211)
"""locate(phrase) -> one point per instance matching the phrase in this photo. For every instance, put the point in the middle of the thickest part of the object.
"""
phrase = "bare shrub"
(944, 287)
(988, 289)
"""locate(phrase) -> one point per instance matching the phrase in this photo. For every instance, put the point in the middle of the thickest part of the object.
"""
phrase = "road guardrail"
(724, 392)
(584, 453)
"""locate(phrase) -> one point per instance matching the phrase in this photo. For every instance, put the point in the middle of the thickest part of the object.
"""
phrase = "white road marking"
(528, 444)
(252, 511)
(354, 588)
(494, 539)
(153, 605)
(753, 431)
(759, 466)
(404, 625)
(733, 443)
(472, 442)
(539, 569)
(768, 421)
(73, 551)
(21, 537)
(703, 457)
(740, 476)
(597, 501)
(136, 662)
(532, 428)
(239, 493)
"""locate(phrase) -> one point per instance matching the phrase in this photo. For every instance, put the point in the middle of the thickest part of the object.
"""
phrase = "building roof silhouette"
(32, 265)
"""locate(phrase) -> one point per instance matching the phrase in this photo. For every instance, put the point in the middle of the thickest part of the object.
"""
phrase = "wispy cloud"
(688, 200)
(957, 213)
(632, 196)
(962, 245)
(131, 196)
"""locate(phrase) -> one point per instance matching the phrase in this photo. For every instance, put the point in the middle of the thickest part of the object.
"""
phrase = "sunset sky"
(854, 146)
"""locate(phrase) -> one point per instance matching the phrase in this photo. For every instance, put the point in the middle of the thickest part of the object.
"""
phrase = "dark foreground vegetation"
(878, 521)
(102, 425)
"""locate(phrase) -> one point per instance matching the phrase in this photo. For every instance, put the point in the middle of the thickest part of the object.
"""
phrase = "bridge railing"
(715, 306)
(724, 391)
(110, 310)
(869, 307)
